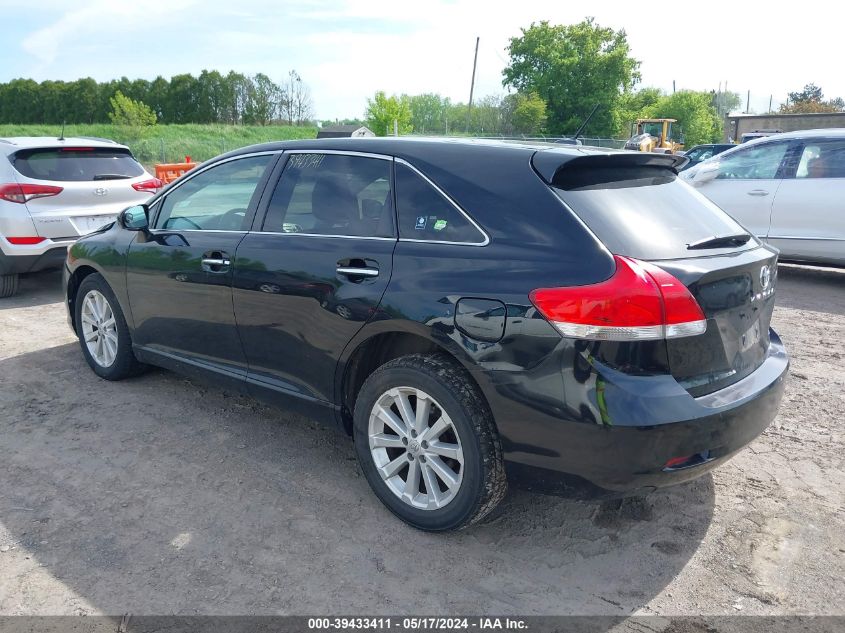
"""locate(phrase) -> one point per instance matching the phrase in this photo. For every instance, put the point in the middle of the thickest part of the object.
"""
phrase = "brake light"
(77, 149)
(25, 241)
(639, 302)
(13, 192)
(150, 186)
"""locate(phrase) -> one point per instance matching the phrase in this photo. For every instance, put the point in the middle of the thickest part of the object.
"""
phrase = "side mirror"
(135, 218)
(705, 173)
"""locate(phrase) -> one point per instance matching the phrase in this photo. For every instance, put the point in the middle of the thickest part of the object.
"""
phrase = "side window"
(822, 159)
(424, 214)
(332, 194)
(758, 162)
(216, 199)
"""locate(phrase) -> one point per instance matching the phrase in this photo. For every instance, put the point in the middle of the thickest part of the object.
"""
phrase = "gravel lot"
(159, 495)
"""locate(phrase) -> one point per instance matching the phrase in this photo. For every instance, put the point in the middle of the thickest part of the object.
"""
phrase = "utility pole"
(472, 83)
(770, 103)
(673, 86)
(748, 102)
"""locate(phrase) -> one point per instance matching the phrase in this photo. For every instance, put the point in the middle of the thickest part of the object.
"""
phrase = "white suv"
(52, 191)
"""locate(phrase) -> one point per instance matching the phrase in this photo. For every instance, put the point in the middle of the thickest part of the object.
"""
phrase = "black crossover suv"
(470, 313)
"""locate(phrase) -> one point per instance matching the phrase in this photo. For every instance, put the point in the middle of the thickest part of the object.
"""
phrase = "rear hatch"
(96, 183)
(636, 205)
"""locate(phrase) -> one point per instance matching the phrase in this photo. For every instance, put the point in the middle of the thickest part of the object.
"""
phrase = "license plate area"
(89, 223)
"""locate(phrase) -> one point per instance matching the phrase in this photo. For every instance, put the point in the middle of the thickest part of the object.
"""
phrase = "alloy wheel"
(416, 448)
(99, 328)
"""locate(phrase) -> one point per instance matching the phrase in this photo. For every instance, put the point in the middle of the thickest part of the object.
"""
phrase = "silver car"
(53, 191)
(787, 189)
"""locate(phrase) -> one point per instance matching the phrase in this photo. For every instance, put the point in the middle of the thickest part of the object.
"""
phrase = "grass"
(171, 143)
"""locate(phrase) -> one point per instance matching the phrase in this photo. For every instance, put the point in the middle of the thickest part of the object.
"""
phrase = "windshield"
(76, 164)
(645, 212)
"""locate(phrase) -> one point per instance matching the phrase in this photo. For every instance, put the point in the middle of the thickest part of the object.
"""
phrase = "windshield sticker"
(421, 222)
(440, 225)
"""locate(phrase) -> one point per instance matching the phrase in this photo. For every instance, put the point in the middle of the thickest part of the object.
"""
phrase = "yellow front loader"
(656, 135)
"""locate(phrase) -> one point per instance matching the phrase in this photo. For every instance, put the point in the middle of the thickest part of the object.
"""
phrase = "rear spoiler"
(551, 165)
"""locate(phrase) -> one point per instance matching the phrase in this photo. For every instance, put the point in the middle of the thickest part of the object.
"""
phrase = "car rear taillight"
(25, 241)
(150, 186)
(20, 193)
(639, 302)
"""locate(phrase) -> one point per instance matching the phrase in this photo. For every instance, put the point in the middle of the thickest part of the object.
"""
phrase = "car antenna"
(587, 120)
(62, 135)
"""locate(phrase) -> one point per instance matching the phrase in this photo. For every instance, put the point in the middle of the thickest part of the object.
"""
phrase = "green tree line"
(211, 97)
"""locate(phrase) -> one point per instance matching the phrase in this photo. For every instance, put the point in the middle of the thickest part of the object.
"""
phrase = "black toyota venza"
(471, 313)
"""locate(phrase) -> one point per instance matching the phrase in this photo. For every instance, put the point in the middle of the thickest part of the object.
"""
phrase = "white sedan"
(787, 189)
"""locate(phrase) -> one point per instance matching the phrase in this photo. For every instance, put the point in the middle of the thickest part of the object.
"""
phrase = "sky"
(346, 50)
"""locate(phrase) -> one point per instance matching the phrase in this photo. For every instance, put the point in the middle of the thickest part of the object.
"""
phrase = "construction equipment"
(656, 135)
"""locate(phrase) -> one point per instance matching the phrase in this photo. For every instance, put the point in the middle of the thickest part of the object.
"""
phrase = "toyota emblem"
(101, 191)
(765, 276)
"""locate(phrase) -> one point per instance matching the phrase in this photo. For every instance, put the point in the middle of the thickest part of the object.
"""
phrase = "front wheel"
(102, 330)
(427, 444)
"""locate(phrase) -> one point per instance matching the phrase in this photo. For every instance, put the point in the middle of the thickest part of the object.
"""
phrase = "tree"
(523, 113)
(130, 113)
(810, 100)
(382, 111)
(426, 112)
(295, 104)
(573, 67)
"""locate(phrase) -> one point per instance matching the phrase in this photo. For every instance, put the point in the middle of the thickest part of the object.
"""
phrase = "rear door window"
(427, 215)
(332, 194)
(645, 212)
(76, 164)
(822, 159)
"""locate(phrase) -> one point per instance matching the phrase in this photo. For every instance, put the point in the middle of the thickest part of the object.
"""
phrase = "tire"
(8, 285)
(114, 360)
(463, 438)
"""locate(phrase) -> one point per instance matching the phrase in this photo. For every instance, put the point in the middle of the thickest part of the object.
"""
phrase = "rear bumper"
(32, 258)
(625, 455)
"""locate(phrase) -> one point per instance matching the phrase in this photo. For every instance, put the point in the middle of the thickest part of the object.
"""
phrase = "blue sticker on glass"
(421, 221)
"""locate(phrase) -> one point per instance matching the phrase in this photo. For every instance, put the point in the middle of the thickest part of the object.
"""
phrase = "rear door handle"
(355, 271)
(758, 192)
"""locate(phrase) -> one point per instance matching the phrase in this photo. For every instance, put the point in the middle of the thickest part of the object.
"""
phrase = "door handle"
(214, 261)
(356, 271)
(758, 192)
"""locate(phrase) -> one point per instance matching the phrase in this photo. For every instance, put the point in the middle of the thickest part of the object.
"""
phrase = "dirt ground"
(159, 495)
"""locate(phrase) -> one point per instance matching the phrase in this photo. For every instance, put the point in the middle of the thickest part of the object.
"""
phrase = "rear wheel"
(8, 285)
(103, 333)
(427, 444)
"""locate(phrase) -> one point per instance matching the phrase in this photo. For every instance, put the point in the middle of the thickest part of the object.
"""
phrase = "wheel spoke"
(406, 410)
(446, 474)
(423, 411)
(390, 469)
(91, 336)
(412, 483)
(86, 318)
(386, 440)
(388, 417)
(436, 429)
(432, 489)
(445, 449)
(108, 323)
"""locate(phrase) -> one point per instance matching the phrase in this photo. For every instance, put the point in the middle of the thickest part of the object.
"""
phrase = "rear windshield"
(645, 212)
(76, 164)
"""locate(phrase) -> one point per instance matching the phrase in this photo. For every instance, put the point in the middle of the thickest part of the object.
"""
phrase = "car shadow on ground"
(36, 289)
(162, 495)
